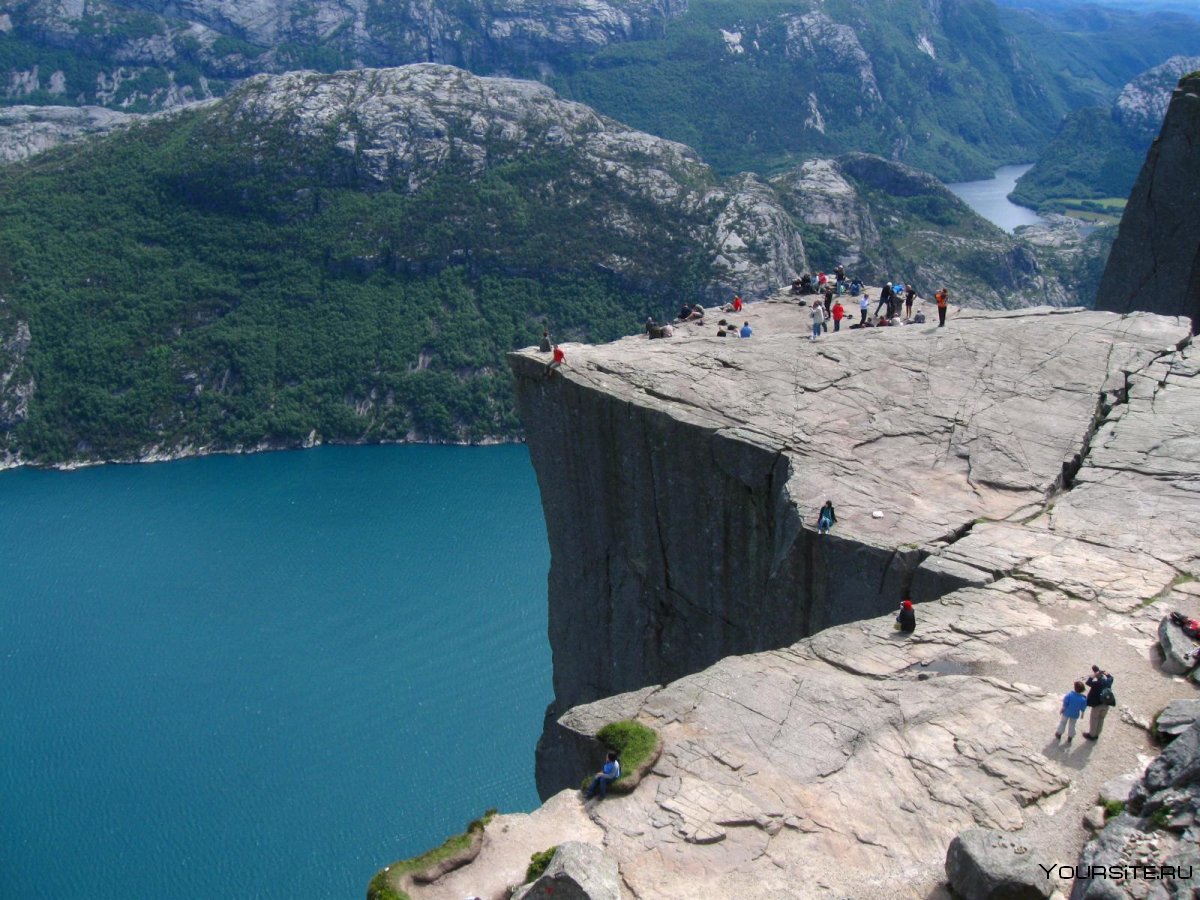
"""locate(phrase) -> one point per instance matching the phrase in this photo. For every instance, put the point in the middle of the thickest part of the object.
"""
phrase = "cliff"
(1155, 262)
(842, 764)
(681, 479)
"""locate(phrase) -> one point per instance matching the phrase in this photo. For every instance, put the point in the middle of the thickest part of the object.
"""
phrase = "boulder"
(1177, 766)
(1178, 717)
(1116, 790)
(1176, 647)
(983, 864)
(578, 871)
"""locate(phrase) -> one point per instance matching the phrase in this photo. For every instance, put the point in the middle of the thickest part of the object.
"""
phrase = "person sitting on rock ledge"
(606, 776)
(544, 346)
(685, 312)
(826, 518)
(559, 359)
(1073, 705)
(906, 619)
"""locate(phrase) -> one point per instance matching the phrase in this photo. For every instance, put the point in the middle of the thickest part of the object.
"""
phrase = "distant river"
(264, 676)
(989, 198)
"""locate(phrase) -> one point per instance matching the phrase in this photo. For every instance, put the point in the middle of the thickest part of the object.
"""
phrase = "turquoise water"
(264, 676)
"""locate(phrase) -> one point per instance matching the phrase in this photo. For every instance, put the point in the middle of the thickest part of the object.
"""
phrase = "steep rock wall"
(1155, 262)
(681, 479)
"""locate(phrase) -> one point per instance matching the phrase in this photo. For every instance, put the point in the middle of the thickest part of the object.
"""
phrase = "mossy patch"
(538, 863)
(1113, 808)
(638, 747)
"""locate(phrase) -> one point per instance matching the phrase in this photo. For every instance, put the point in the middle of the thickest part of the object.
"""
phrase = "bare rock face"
(848, 761)
(915, 433)
(26, 130)
(578, 871)
(1142, 104)
(1155, 262)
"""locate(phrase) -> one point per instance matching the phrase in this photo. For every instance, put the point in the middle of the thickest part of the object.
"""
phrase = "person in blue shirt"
(746, 330)
(1074, 703)
(606, 776)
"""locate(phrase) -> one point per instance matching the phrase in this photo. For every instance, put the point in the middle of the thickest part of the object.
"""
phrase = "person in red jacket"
(737, 303)
(838, 312)
(559, 359)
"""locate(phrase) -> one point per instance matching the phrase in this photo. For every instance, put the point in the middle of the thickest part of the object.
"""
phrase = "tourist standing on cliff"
(1073, 705)
(910, 295)
(826, 518)
(606, 776)
(818, 319)
(839, 312)
(1099, 699)
(942, 297)
(885, 300)
(863, 305)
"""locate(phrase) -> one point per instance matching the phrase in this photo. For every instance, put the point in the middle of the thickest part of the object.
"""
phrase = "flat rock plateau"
(1030, 477)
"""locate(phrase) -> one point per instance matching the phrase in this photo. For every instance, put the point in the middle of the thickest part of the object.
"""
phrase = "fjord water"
(989, 198)
(264, 676)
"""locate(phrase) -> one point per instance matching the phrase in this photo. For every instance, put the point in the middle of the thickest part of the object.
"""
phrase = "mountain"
(1155, 261)
(1097, 152)
(348, 257)
(952, 86)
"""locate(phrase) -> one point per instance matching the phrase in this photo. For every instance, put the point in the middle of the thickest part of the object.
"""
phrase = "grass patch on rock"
(455, 851)
(538, 863)
(1113, 808)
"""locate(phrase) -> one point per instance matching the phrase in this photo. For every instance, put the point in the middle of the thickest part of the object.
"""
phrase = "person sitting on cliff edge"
(826, 518)
(559, 359)
(544, 346)
(606, 776)
(906, 619)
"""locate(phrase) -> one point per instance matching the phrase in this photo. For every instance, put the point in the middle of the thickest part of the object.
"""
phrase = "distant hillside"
(1097, 152)
(348, 258)
(951, 87)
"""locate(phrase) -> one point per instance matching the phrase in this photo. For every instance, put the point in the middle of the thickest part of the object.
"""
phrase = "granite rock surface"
(847, 762)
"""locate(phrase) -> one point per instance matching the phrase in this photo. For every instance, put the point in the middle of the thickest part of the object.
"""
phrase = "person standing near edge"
(863, 305)
(1099, 699)
(941, 296)
(818, 319)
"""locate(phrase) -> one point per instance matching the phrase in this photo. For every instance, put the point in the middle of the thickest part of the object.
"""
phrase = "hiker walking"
(885, 300)
(1073, 705)
(1099, 698)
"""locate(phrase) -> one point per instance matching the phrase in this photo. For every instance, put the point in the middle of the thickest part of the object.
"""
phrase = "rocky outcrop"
(1157, 840)
(1142, 104)
(848, 761)
(933, 431)
(1155, 262)
(26, 130)
(401, 128)
(982, 864)
(578, 871)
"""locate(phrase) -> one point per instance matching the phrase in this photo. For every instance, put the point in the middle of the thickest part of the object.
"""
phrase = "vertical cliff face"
(1155, 262)
(681, 479)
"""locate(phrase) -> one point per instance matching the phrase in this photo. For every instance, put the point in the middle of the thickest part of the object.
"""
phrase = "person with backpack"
(818, 319)
(1073, 705)
(1099, 698)
(606, 776)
